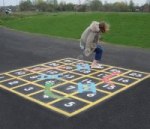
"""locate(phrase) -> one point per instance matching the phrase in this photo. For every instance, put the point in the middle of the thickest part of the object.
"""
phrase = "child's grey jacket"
(90, 38)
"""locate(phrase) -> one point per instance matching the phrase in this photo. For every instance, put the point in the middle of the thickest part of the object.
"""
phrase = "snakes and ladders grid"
(25, 82)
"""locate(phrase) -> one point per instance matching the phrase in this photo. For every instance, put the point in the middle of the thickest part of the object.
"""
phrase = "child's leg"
(98, 55)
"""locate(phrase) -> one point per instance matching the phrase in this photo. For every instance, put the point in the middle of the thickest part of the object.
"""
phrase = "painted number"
(69, 76)
(107, 86)
(90, 95)
(28, 89)
(70, 88)
(45, 96)
(86, 71)
(52, 72)
(123, 80)
(34, 77)
(70, 104)
(53, 64)
(87, 81)
(50, 81)
(13, 83)
(115, 70)
(135, 74)
(1, 77)
(20, 73)
(101, 75)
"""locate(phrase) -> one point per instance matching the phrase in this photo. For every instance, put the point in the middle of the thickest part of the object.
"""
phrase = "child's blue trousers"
(98, 53)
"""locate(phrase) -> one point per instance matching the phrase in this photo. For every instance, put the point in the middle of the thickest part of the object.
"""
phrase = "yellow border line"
(31, 94)
(22, 85)
(70, 95)
(6, 80)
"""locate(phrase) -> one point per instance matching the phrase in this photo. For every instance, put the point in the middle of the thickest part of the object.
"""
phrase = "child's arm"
(90, 45)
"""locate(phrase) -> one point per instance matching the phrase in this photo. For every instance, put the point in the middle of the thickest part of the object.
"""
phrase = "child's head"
(104, 27)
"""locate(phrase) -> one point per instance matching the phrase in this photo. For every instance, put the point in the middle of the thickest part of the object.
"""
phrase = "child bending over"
(89, 41)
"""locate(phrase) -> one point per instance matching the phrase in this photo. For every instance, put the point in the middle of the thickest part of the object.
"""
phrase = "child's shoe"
(96, 66)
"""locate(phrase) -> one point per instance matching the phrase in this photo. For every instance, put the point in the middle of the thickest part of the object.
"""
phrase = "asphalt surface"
(127, 110)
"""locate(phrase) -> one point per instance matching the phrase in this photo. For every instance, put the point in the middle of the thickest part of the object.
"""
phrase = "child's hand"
(87, 52)
(81, 46)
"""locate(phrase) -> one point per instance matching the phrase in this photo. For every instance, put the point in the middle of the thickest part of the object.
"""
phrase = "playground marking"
(67, 77)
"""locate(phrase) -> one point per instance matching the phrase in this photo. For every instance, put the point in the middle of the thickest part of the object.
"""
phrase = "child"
(90, 39)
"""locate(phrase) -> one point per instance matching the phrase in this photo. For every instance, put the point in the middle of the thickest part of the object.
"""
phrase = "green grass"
(126, 28)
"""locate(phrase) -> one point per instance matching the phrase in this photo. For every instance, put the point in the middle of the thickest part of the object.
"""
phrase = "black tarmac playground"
(126, 107)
